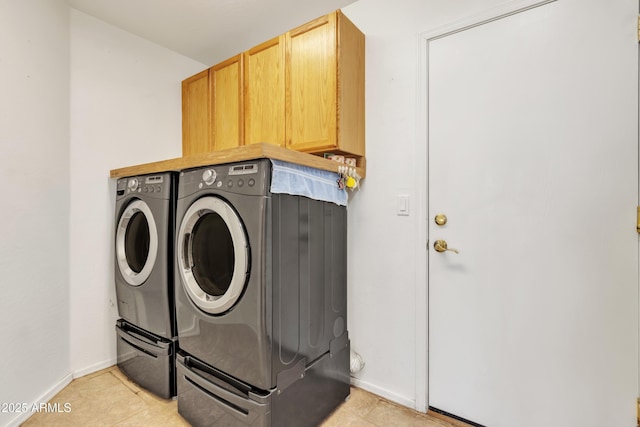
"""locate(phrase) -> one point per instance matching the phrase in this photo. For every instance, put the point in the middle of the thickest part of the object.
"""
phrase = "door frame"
(421, 156)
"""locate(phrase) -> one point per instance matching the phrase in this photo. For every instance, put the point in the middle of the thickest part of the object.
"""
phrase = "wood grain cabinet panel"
(227, 104)
(325, 87)
(264, 93)
(311, 80)
(195, 115)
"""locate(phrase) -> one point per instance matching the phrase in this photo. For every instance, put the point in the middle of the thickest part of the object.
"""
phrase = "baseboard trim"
(451, 419)
(47, 396)
(389, 395)
(94, 368)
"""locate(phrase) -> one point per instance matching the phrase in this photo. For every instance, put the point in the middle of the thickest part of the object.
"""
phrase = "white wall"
(125, 110)
(34, 207)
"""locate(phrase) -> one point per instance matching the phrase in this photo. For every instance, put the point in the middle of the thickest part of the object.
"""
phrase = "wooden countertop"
(246, 152)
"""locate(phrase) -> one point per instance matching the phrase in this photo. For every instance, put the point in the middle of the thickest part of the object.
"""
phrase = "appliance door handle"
(154, 349)
(241, 408)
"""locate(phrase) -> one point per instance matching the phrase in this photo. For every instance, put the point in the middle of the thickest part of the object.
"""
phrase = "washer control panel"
(147, 184)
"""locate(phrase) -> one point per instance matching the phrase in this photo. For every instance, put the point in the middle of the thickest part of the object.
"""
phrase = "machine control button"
(230, 183)
(240, 182)
(158, 189)
(251, 182)
(219, 184)
(145, 189)
(209, 176)
(151, 189)
(133, 184)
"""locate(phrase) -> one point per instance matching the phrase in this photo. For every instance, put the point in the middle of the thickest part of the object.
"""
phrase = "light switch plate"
(403, 205)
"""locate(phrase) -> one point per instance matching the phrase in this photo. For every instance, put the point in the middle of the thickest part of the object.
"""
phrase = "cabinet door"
(226, 103)
(311, 85)
(195, 114)
(264, 93)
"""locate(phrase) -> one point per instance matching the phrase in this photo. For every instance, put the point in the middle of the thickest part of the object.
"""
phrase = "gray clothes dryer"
(144, 232)
(260, 300)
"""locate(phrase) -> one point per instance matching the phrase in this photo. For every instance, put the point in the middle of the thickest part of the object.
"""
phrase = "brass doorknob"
(440, 219)
(441, 246)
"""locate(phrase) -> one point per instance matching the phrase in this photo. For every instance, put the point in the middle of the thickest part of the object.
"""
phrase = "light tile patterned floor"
(108, 398)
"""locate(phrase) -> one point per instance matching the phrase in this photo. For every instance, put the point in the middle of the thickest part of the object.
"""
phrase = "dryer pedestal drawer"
(208, 397)
(146, 359)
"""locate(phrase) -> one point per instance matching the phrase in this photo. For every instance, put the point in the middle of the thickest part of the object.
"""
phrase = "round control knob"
(209, 176)
(133, 184)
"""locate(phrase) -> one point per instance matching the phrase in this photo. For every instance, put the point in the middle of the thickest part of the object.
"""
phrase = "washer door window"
(213, 255)
(136, 243)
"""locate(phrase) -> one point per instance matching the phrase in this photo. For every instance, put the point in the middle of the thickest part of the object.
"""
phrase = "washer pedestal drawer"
(148, 360)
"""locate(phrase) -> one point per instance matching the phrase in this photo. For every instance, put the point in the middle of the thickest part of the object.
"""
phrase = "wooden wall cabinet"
(325, 87)
(303, 90)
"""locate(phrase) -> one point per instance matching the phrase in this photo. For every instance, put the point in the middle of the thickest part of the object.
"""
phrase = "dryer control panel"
(251, 178)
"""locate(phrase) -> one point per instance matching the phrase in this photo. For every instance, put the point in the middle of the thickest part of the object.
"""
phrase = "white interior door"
(533, 158)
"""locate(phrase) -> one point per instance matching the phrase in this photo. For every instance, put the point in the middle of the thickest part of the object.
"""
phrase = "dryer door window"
(213, 255)
(136, 243)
